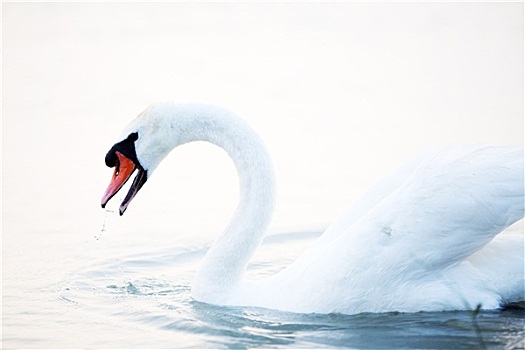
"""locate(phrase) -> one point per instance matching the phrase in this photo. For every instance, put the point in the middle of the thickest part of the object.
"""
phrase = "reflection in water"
(152, 290)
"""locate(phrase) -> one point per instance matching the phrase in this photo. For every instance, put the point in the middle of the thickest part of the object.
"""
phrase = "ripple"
(150, 291)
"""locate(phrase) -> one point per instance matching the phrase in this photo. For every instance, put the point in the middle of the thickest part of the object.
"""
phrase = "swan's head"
(146, 141)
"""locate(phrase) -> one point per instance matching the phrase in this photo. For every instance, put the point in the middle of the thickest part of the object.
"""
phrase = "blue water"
(133, 296)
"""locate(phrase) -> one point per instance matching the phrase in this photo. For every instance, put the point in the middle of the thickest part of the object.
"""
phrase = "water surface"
(130, 295)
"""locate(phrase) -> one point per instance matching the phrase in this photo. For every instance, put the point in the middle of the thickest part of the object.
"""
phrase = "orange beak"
(123, 170)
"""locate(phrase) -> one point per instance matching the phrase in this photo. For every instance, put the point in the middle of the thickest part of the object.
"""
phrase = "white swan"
(423, 238)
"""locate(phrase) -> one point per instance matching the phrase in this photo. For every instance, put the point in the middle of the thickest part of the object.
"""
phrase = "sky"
(342, 93)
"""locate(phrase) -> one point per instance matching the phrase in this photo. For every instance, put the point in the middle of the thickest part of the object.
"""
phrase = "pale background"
(342, 93)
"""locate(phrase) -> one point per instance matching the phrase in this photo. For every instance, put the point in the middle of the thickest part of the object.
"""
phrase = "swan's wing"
(373, 196)
(452, 204)
(501, 263)
(398, 246)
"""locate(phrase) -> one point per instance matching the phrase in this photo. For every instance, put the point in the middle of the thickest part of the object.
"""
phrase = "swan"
(424, 238)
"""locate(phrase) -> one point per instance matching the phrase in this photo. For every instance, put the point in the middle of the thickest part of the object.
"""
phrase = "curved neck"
(225, 262)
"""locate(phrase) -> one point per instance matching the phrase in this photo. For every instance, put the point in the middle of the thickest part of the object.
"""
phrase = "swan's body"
(423, 238)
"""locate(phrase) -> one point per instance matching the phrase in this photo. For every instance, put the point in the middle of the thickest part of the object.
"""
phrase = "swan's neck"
(225, 262)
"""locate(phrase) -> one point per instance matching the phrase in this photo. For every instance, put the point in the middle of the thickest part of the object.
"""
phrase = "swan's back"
(475, 190)
(403, 245)
(456, 201)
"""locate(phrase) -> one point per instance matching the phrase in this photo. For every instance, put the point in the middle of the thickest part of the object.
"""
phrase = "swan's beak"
(123, 170)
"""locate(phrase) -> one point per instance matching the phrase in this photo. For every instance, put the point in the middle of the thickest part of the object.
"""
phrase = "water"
(136, 294)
